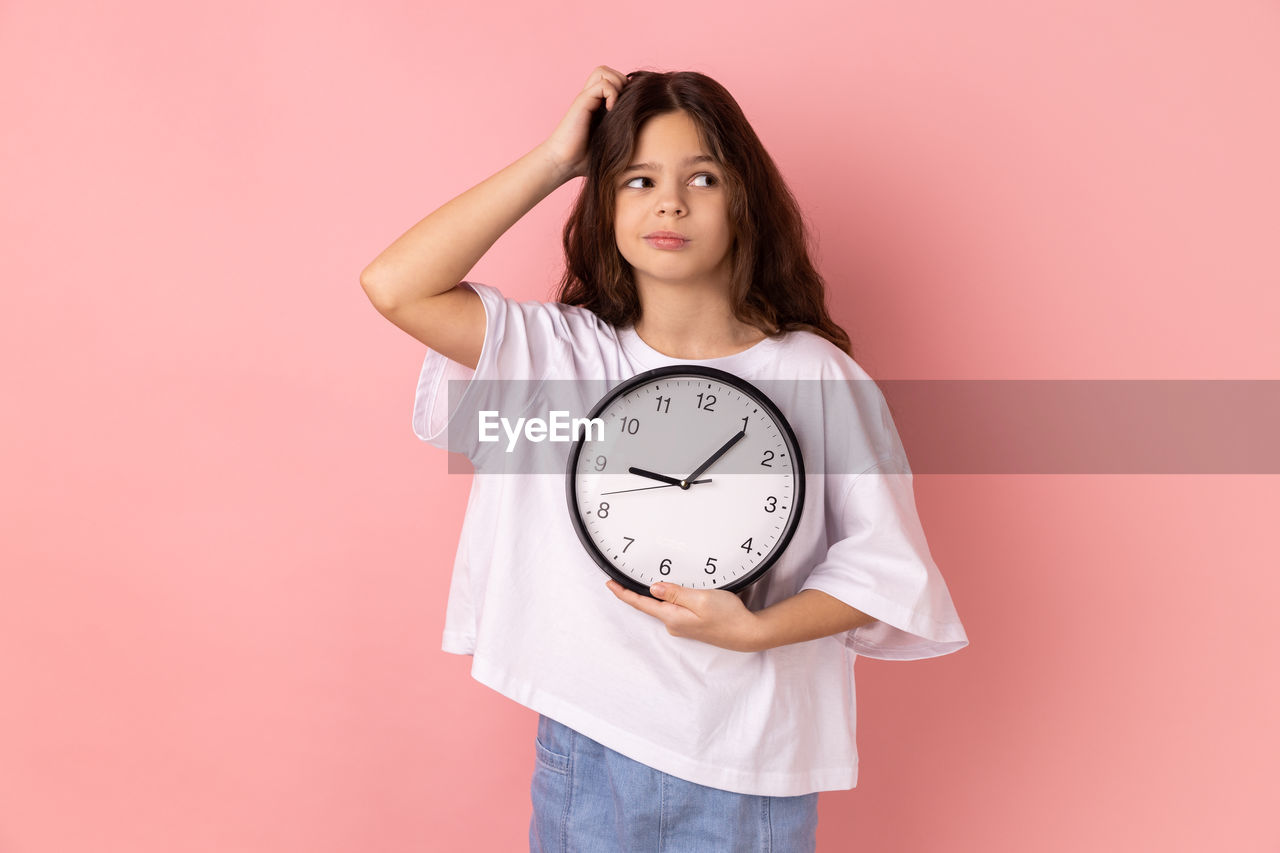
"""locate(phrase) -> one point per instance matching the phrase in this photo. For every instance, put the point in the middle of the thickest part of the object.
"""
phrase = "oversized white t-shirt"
(530, 605)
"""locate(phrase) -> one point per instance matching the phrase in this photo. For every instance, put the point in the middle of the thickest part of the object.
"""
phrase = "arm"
(433, 256)
(808, 615)
(413, 282)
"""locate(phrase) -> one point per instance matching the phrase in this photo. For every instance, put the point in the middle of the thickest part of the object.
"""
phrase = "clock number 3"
(771, 503)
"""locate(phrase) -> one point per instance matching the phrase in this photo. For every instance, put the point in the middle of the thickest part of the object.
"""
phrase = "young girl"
(695, 719)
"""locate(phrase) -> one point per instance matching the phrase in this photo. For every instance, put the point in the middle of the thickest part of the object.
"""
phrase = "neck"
(691, 323)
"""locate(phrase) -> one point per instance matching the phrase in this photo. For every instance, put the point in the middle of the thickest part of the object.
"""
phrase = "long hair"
(774, 285)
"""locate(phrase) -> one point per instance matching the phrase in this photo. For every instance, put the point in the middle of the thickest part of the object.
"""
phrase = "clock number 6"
(665, 566)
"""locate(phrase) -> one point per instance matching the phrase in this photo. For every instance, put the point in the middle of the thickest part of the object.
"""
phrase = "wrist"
(558, 172)
(759, 639)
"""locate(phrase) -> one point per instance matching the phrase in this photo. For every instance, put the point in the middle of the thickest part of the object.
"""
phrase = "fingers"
(604, 72)
(605, 83)
(640, 602)
(606, 91)
(665, 600)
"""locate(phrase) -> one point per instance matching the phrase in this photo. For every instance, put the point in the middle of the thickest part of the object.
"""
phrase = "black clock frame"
(758, 396)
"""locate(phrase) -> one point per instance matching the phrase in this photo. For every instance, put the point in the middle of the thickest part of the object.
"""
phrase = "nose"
(670, 202)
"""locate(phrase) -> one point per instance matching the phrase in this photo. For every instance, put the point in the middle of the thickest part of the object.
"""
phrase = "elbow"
(376, 294)
(367, 279)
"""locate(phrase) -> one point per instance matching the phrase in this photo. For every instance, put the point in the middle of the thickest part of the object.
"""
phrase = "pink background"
(225, 555)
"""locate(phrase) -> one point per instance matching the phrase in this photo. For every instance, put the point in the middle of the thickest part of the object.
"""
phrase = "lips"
(665, 239)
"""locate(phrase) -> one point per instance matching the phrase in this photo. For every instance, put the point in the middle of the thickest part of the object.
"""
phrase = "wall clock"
(697, 479)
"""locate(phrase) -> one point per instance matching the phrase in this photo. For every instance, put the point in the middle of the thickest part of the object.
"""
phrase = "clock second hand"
(647, 488)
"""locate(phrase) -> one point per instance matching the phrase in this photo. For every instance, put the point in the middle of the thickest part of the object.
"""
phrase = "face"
(673, 185)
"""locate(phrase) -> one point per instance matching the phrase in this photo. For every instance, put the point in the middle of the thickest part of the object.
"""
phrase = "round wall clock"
(697, 479)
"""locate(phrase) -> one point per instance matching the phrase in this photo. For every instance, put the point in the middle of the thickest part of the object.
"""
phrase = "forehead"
(669, 139)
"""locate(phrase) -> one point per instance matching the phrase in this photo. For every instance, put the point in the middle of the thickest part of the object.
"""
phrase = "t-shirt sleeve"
(522, 341)
(879, 563)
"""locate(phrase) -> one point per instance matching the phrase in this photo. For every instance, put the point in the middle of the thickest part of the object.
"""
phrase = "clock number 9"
(601, 462)
(665, 566)
(771, 503)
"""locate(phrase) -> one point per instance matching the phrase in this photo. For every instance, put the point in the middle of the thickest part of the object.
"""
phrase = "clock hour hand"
(721, 452)
(661, 478)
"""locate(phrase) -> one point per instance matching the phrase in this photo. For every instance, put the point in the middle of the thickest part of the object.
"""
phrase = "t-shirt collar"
(735, 363)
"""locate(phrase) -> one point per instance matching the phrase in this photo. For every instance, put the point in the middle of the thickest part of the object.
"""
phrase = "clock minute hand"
(721, 452)
(661, 478)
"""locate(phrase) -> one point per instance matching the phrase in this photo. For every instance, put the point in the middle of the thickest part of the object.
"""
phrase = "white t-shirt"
(530, 605)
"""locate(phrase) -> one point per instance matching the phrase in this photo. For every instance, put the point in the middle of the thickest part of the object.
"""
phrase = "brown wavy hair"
(774, 285)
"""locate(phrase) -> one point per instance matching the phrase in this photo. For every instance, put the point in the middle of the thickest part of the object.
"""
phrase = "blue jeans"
(589, 799)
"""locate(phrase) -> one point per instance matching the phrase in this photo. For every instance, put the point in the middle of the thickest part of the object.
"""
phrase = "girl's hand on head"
(567, 145)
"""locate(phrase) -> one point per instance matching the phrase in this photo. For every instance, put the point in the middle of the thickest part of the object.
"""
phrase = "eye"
(633, 180)
(712, 179)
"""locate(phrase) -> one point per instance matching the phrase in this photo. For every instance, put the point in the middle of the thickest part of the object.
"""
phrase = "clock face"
(697, 479)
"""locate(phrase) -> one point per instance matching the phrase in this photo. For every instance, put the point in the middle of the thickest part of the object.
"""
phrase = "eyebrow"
(653, 167)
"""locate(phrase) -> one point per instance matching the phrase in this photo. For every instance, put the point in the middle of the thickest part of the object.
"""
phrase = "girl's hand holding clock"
(713, 616)
(567, 146)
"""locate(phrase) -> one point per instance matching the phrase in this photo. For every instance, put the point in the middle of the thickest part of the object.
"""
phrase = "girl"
(692, 719)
